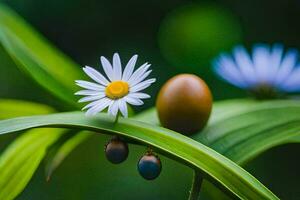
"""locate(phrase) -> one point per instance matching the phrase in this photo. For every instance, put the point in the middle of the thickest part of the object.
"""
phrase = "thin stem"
(117, 118)
(196, 186)
(149, 150)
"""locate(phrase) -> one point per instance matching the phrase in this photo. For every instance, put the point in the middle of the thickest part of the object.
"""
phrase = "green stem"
(196, 186)
(149, 150)
(117, 118)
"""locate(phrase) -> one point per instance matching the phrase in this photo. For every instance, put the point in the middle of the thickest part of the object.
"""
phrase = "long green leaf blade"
(268, 124)
(64, 150)
(242, 129)
(33, 53)
(256, 127)
(214, 166)
(10, 108)
(20, 160)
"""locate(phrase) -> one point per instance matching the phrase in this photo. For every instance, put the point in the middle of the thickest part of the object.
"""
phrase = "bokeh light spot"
(192, 35)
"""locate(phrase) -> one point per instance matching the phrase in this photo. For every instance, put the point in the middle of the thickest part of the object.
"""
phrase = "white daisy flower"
(118, 89)
(268, 70)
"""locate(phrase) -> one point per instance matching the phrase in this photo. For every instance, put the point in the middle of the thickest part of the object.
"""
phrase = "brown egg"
(184, 104)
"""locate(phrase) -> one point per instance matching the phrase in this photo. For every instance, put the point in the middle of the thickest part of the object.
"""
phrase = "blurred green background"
(176, 36)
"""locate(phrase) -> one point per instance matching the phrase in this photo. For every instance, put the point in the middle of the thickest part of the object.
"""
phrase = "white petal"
(92, 104)
(95, 75)
(87, 92)
(142, 85)
(113, 108)
(117, 68)
(139, 95)
(139, 72)
(91, 98)
(261, 60)
(90, 85)
(133, 101)
(123, 107)
(286, 67)
(227, 69)
(140, 79)
(107, 68)
(103, 103)
(129, 68)
(244, 63)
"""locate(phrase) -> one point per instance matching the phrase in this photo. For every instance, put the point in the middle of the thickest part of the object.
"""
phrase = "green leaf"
(10, 108)
(249, 128)
(215, 167)
(33, 53)
(242, 129)
(22, 157)
(64, 150)
(20, 160)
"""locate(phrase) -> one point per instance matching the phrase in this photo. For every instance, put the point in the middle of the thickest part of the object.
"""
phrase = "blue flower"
(268, 69)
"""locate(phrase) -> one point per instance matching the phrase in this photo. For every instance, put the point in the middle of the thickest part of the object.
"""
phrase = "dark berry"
(116, 150)
(149, 166)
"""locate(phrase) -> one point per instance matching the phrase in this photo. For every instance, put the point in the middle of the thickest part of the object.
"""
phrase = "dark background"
(176, 36)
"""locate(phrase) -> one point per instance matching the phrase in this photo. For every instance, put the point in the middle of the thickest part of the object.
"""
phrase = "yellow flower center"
(117, 89)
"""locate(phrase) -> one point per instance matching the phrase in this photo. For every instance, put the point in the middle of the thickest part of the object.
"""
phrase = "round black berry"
(149, 166)
(116, 150)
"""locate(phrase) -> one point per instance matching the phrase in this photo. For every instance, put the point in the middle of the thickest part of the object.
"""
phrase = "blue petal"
(269, 65)
(245, 64)
(226, 69)
(261, 59)
(288, 64)
(275, 60)
(292, 83)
